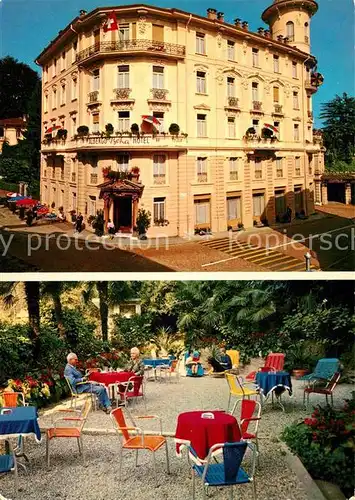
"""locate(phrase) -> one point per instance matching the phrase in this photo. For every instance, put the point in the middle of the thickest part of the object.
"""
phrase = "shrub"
(174, 129)
(109, 129)
(325, 444)
(133, 331)
(143, 221)
(98, 223)
(15, 351)
(135, 128)
(83, 130)
(62, 133)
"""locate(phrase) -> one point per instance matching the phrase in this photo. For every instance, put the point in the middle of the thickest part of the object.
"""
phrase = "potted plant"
(83, 130)
(62, 134)
(98, 223)
(174, 129)
(298, 360)
(109, 129)
(143, 223)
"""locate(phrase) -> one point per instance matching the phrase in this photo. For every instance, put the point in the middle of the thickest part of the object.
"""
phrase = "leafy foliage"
(133, 331)
(325, 444)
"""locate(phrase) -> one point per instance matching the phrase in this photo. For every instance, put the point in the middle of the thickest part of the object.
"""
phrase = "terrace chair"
(239, 389)
(234, 355)
(324, 370)
(70, 432)
(227, 473)
(138, 441)
(8, 463)
(75, 395)
(169, 371)
(134, 389)
(274, 362)
(327, 390)
(250, 411)
(12, 399)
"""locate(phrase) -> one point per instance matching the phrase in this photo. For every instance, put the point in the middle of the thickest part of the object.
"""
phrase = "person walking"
(111, 229)
(79, 223)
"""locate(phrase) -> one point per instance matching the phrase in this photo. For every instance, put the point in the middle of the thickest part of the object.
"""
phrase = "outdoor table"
(202, 433)
(110, 378)
(271, 383)
(20, 422)
(155, 362)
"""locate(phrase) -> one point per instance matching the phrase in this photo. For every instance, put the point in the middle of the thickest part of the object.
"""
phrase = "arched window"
(306, 32)
(290, 31)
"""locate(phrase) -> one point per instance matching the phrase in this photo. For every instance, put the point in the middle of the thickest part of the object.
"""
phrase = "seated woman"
(221, 364)
(193, 365)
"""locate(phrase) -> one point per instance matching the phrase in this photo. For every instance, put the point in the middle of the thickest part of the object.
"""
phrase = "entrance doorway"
(336, 192)
(123, 214)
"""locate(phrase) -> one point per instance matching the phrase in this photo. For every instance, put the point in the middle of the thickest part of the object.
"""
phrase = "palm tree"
(55, 289)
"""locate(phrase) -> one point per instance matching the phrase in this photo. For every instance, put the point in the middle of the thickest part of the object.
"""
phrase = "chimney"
(220, 16)
(82, 12)
(245, 25)
(267, 34)
(261, 31)
(237, 22)
(212, 13)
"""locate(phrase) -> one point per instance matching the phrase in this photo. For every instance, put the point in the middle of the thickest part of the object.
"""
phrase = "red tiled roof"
(15, 122)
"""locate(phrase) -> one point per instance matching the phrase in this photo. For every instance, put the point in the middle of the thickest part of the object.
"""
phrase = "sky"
(27, 26)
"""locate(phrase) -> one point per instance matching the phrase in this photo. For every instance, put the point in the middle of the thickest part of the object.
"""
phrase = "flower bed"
(325, 443)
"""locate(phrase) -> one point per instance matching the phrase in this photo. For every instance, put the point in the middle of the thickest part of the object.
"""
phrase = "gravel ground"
(68, 479)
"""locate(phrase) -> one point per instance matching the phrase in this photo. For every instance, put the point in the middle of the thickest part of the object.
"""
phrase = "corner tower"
(291, 19)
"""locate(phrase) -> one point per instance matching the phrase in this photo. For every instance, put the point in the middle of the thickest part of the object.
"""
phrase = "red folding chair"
(250, 411)
(133, 389)
(274, 362)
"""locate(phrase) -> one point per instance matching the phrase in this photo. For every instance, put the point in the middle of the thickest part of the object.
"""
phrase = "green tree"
(338, 116)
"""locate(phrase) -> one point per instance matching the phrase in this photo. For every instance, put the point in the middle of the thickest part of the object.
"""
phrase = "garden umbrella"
(271, 127)
(17, 198)
(51, 129)
(151, 119)
(27, 202)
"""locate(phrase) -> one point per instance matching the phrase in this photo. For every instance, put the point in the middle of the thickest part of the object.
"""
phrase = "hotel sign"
(128, 141)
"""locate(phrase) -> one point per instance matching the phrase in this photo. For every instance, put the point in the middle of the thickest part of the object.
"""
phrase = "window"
(2, 132)
(73, 170)
(295, 101)
(255, 58)
(297, 166)
(73, 201)
(200, 43)
(159, 209)
(255, 91)
(258, 204)
(73, 125)
(279, 170)
(296, 132)
(74, 89)
(278, 125)
(45, 74)
(61, 176)
(201, 166)
(123, 121)
(62, 95)
(54, 67)
(294, 70)
(92, 205)
(95, 80)
(123, 77)
(201, 82)
(310, 164)
(160, 116)
(63, 60)
(159, 169)
(123, 32)
(276, 93)
(234, 208)
(231, 50)
(75, 50)
(256, 126)
(233, 169)
(45, 103)
(123, 163)
(202, 211)
(258, 168)
(230, 87)
(54, 101)
(158, 77)
(95, 122)
(276, 64)
(231, 127)
(290, 31)
(201, 126)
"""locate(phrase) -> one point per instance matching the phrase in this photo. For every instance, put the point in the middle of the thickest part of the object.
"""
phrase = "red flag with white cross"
(111, 23)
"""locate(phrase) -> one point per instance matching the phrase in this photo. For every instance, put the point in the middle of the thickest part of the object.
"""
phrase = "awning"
(151, 119)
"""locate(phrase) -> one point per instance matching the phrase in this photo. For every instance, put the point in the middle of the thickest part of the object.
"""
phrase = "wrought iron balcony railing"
(278, 109)
(122, 93)
(93, 96)
(233, 102)
(132, 46)
(257, 106)
(159, 94)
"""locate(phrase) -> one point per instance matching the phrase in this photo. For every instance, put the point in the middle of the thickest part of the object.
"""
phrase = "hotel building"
(233, 141)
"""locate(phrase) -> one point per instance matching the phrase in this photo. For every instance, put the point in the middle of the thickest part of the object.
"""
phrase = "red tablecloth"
(108, 378)
(202, 433)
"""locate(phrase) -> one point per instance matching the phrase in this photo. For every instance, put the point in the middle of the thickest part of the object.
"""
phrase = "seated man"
(223, 362)
(193, 362)
(77, 381)
(136, 365)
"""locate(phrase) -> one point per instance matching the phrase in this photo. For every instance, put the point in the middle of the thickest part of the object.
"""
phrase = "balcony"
(278, 110)
(122, 96)
(257, 107)
(93, 179)
(93, 98)
(310, 87)
(202, 177)
(310, 116)
(159, 179)
(159, 96)
(232, 103)
(163, 49)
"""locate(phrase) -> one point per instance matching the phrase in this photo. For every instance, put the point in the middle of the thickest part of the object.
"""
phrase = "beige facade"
(11, 130)
(224, 86)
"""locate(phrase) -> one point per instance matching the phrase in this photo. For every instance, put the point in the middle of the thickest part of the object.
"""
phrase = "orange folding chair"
(12, 399)
(70, 432)
(139, 440)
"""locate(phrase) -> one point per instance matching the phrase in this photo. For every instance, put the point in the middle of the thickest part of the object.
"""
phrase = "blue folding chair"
(8, 463)
(324, 370)
(227, 473)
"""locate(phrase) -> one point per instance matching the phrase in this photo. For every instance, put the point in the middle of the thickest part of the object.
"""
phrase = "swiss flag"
(111, 23)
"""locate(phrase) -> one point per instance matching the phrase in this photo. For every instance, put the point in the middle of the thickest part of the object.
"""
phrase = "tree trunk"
(58, 314)
(32, 297)
(102, 287)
